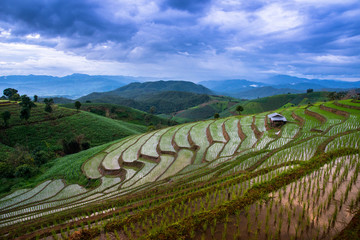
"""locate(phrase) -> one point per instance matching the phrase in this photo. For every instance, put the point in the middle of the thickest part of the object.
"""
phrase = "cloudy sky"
(181, 39)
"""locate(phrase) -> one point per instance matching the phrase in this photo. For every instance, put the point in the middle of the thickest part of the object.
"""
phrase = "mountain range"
(79, 85)
(71, 86)
(278, 84)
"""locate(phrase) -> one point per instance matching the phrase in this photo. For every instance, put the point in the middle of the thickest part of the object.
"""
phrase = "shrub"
(6, 170)
(25, 171)
(40, 156)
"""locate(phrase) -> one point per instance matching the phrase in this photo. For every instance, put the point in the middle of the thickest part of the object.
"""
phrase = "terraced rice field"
(231, 178)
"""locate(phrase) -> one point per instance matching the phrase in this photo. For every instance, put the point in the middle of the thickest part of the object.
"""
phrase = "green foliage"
(25, 171)
(26, 102)
(69, 167)
(26, 105)
(337, 95)
(25, 114)
(123, 113)
(164, 102)
(41, 156)
(239, 109)
(48, 103)
(152, 110)
(216, 115)
(276, 102)
(6, 117)
(50, 133)
(6, 170)
(48, 108)
(77, 105)
(11, 94)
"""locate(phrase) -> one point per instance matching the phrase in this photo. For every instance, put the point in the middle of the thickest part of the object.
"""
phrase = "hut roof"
(277, 117)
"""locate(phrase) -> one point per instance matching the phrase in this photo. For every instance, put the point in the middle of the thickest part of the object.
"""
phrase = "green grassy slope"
(216, 104)
(226, 106)
(21, 142)
(164, 102)
(123, 113)
(47, 132)
(278, 101)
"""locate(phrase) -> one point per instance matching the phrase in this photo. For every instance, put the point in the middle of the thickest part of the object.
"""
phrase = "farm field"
(231, 178)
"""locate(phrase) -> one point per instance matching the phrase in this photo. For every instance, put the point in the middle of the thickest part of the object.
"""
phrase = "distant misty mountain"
(285, 81)
(261, 92)
(71, 86)
(274, 85)
(97, 86)
(231, 86)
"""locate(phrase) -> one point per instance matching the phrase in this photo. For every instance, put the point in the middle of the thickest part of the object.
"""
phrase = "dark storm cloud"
(192, 6)
(222, 36)
(72, 19)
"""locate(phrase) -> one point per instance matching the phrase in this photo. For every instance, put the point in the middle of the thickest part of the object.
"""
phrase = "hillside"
(216, 179)
(216, 104)
(226, 106)
(164, 102)
(47, 136)
(139, 91)
(123, 113)
(62, 123)
(274, 102)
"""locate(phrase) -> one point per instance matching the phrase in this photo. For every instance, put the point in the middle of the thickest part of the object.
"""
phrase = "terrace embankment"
(319, 117)
(257, 132)
(346, 106)
(298, 118)
(336, 111)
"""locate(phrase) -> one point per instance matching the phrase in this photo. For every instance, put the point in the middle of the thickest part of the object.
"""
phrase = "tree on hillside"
(48, 108)
(147, 118)
(26, 102)
(77, 105)
(25, 171)
(15, 97)
(35, 98)
(25, 114)
(152, 110)
(48, 103)
(10, 93)
(6, 117)
(239, 109)
(310, 90)
(216, 115)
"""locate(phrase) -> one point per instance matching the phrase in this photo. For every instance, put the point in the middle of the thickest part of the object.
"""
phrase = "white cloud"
(335, 59)
(5, 33)
(33, 36)
(225, 20)
(325, 2)
(236, 49)
(276, 18)
(269, 19)
(20, 58)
